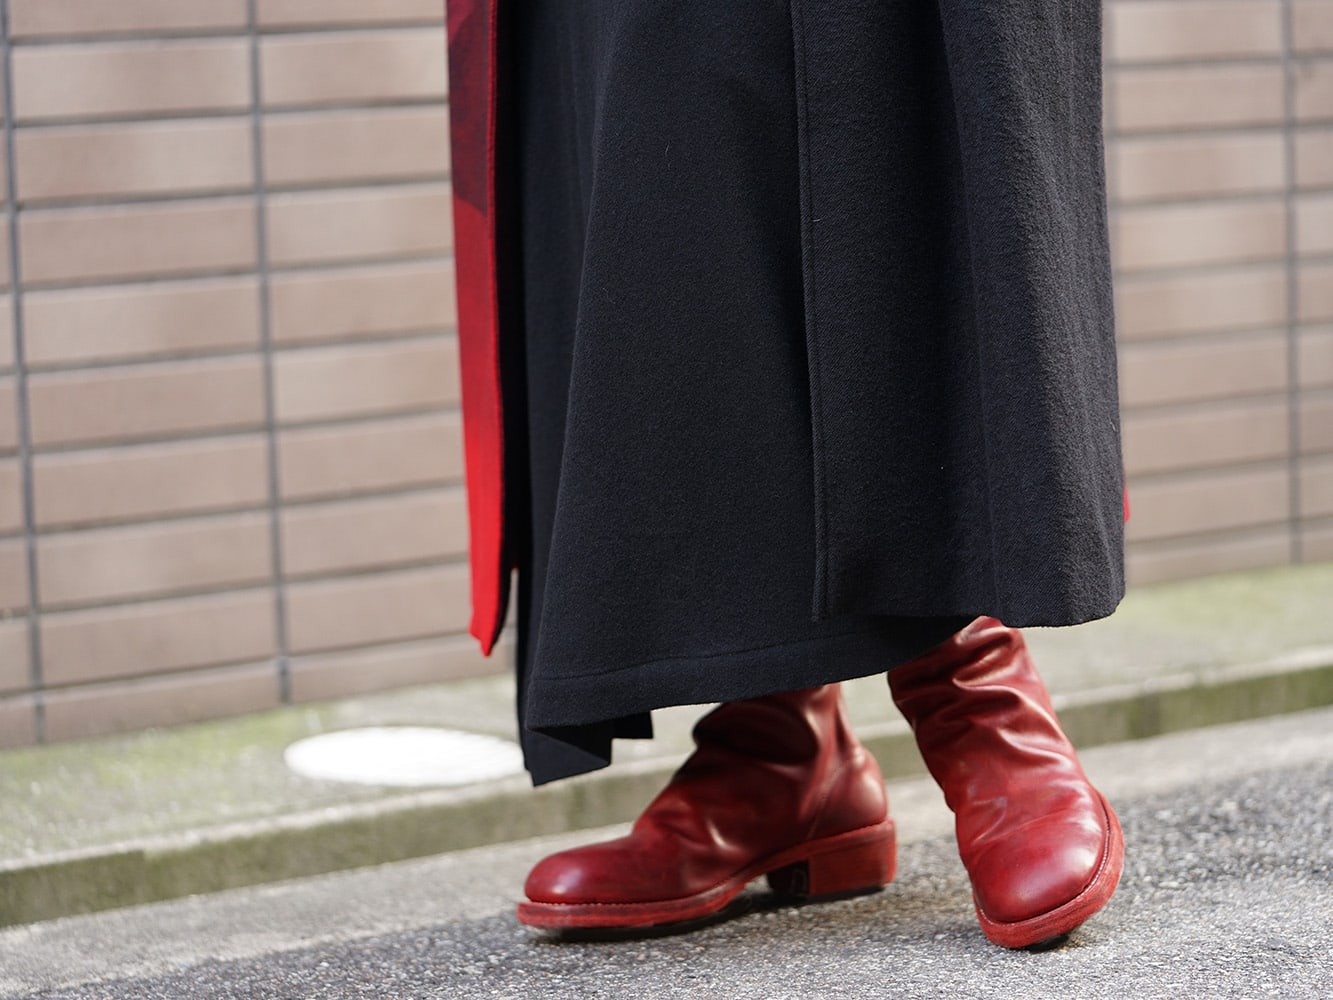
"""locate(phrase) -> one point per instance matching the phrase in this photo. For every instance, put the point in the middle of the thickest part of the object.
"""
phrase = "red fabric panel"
(472, 112)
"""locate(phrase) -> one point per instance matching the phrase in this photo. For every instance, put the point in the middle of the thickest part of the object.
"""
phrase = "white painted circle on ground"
(412, 756)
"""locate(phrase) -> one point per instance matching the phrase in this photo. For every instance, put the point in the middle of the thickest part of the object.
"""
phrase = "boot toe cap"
(1034, 885)
(610, 873)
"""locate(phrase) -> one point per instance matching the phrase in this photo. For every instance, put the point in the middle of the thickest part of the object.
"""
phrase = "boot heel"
(867, 864)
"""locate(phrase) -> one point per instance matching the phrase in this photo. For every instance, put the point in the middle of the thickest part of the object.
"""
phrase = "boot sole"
(1063, 919)
(856, 861)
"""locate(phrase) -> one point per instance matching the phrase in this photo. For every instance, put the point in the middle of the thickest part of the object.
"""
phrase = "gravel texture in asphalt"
(1227, 892)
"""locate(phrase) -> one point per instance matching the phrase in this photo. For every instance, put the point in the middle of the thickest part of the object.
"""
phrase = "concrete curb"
(400, 826)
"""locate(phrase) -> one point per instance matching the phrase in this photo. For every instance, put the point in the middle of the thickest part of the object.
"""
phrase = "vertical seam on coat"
(976, 306)
(819, 470)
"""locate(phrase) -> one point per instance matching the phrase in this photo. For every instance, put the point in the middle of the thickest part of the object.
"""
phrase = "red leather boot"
(777, 786)
(1042, 846)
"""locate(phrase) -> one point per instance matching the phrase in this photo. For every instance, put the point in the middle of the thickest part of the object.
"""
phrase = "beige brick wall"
(1220, 153)
(220, 354)
(231, 393)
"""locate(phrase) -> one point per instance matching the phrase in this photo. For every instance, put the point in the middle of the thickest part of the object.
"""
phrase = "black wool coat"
(957, 304)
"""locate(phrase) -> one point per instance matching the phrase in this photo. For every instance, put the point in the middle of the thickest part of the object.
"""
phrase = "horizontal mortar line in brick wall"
(1275, 129)
(207, 437)
(405, 335)
(167, 281)
(1277, 524)
(361, 184)
(352, 110)
(1248, 533)
(244, 585)
(303, 267)
(1159, 272)
(182, 671)
(335, 266)
(1276, 124)
(1238, 269)
(352, 494)
(1219, 405)
(342, 104)
(451, 642)
(365, 182)
(459, 640)
(249, 427)
(378, 569)
(332, 579)
(1202, 474)
(153, 366)
(49, 530)
(138, 279)
(237, 31)
(306, 267)
(181, 602)
(320, 29)
(129, 528)
(138, 37)
(93, 363)
(234, 354)
(354, 419)
(433, 184)
(406, 183)
(1203, 338)
(239, 116)
(372, 647)
(352, 183)
(1315, 258)
(343, 497)
(153, 596)
(1202, 62)
(54, 205)
(243, 196)
(365, 420)
(1178, 477)
(94, 687)
(1121, 273)
(232, 111)
(1274, 191)
(188, 359)
(450, 488)
(446, 334)
(1268, 197)
(1323, 121)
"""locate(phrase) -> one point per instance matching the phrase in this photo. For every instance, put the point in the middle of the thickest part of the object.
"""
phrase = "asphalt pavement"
(135, 818)
(1227, 892)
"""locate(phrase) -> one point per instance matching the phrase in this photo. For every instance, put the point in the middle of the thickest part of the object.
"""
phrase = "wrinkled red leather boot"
(1042, 846)
(777, 786)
